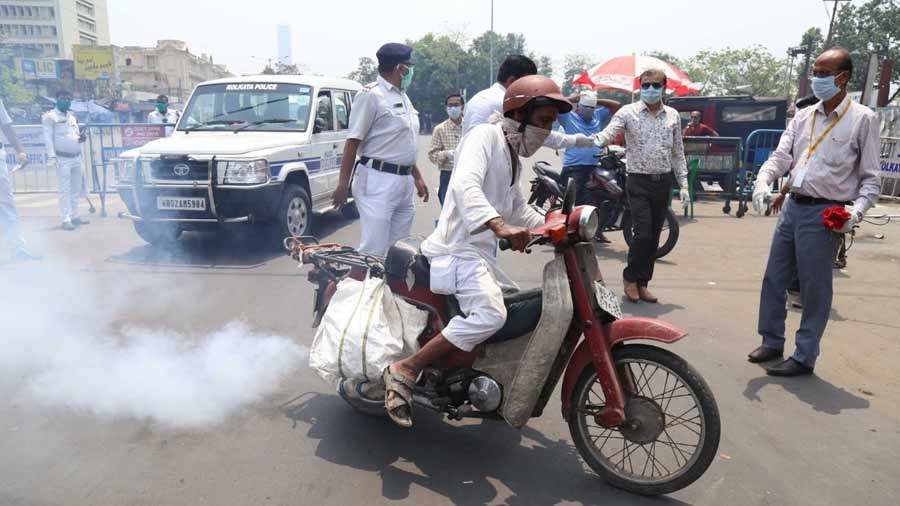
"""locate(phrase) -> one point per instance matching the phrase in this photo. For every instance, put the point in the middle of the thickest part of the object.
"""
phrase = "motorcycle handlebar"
(505, 245)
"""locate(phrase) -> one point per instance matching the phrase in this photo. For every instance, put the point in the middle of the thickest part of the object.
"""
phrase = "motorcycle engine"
(485, 394)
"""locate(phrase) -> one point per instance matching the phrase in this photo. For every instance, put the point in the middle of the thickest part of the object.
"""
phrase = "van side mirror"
(318, 125)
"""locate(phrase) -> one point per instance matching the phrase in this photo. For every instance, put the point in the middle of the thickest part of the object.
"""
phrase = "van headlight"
(249, 172)
(588, 223)
(126, 171)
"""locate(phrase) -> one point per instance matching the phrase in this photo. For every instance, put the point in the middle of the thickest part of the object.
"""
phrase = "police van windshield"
(268, 107)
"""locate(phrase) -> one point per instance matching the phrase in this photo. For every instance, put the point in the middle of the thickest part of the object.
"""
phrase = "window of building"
(87, 40)
(84, 8)
(87, 25)
(151, 62)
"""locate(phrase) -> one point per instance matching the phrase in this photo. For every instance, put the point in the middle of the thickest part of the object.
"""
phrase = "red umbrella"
(623, 73)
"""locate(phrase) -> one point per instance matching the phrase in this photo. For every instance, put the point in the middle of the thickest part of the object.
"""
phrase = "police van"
(262, 151)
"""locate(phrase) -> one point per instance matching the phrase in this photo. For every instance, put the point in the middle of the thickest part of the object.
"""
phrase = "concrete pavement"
(830, 439)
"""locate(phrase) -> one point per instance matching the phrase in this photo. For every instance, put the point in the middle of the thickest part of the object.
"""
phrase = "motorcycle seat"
(523, 312)
(404, 256)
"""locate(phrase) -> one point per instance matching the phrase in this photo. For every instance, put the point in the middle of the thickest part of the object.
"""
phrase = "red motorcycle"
(640, 416)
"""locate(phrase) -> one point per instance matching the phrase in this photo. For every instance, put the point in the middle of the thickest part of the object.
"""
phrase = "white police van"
(261, 150)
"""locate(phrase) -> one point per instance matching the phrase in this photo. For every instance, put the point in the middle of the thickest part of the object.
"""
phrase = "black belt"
(651, 177)
(390, 168)
(806, 200)
(67, 155)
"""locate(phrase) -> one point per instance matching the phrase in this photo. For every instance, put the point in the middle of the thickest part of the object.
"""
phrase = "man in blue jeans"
(589, 118)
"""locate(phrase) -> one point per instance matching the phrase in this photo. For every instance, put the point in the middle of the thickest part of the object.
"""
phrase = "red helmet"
(532, 88)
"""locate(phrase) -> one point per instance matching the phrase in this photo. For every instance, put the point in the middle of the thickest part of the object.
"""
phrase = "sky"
(329, 37)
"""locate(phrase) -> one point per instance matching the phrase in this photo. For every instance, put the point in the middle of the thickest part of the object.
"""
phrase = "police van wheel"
(157, 234)
(295, 216)
(349, 211)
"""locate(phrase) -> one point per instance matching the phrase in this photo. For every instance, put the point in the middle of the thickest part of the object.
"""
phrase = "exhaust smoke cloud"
(64, 347)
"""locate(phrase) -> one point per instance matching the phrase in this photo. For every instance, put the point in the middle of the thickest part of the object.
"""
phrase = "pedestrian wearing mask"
(833, 150)
(444, 140)
(164, 115)
(9, 218)
(384, 130)
(655, 162)
(63, 139)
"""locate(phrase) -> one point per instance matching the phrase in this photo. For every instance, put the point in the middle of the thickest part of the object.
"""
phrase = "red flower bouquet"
(834, 217)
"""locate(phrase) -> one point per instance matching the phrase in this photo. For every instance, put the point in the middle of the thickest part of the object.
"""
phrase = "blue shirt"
(573, 124)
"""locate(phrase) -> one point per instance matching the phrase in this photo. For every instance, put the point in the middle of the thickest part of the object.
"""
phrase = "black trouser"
(648, 199)
(444, 184)
(581, 174)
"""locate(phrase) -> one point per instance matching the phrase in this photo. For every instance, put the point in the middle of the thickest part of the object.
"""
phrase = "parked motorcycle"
(606, 187)
(640, 416)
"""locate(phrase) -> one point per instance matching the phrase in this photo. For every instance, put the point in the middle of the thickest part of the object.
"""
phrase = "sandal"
(398, 406)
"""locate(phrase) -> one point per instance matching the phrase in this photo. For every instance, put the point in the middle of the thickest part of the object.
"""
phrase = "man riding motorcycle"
(483, 204)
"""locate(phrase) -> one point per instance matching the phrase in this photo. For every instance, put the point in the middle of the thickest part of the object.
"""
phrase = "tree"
(544, 64)
(12, 88)
(439, 71)
(666, 57)
(573, 66)
(873, 27)
(477, 70)
(366, 71)
(746, 71)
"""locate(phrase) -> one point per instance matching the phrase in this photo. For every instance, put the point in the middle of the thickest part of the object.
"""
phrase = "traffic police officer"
(384, 128)
(9, 218)
(164, 115)
(63, 141)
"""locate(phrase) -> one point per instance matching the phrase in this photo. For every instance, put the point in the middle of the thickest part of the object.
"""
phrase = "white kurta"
(462, 250)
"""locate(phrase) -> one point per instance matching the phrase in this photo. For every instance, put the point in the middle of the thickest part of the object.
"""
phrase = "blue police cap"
(393, 53)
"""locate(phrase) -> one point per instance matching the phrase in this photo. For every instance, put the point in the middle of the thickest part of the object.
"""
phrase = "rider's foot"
(600, 238)
(399, 382)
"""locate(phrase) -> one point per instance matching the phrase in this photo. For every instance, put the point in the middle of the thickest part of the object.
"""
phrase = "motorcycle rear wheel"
(672, 404)
(671, 230)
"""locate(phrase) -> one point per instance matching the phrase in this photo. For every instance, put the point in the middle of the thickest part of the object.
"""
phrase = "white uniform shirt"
(482, 188)
(653, 141)
(487, 107)
(4, 120)
(845, 166)
(60, 132)
(385, 121)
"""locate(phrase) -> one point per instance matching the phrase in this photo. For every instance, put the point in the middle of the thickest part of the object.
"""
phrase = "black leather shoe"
(789, 367)
(764, 354)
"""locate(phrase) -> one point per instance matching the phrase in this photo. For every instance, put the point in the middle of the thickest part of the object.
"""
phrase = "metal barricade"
(100, 151)
(890, 168)
(760, 144)
(719, 159)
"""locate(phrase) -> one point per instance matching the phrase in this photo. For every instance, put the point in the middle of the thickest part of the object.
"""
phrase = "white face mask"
(524, 143)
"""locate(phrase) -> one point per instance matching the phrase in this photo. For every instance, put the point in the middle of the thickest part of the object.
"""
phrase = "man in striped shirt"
(444, 140)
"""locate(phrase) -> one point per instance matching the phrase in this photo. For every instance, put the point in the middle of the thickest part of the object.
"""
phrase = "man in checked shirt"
(832, 150)
(444, 140)
(655, 161)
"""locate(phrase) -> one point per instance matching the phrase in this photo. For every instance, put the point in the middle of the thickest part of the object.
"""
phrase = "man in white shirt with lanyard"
(384, 131)
(833, 151)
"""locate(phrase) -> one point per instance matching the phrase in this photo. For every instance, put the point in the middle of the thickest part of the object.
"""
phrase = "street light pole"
(831, 24)
(491, 76)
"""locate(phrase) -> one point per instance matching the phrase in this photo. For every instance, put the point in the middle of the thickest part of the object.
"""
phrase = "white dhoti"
(71, 178)
(386, 208)
(479, 295)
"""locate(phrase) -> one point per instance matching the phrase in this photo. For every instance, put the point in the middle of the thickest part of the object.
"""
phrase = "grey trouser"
(801, 245)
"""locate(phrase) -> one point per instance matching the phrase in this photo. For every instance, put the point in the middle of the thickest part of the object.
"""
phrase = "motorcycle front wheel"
(667, 239)
(672, 427)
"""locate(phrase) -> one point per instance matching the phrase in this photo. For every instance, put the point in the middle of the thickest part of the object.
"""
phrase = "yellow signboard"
(93, 62)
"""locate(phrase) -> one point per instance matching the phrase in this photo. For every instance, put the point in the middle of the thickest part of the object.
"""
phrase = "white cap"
(588, 99)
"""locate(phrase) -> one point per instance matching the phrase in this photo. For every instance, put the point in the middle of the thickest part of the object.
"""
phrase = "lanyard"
(815, 145)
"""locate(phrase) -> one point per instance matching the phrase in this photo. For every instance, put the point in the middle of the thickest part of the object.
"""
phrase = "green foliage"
(366, 71)
(544, 64)
(12, 89)
(873, 27)
(746, 71)
(573, 66)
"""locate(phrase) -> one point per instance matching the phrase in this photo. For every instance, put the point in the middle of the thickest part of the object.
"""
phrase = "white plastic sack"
(365, 329)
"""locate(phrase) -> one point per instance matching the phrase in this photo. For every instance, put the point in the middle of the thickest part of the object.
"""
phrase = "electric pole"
(831, 24)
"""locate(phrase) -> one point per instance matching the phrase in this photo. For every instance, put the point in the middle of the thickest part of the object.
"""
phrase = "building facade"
(169, 68)
(49, 28)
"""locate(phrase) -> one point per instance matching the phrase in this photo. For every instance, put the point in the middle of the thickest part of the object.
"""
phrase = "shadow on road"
(813, 390)
(459, 462)
(237, 248)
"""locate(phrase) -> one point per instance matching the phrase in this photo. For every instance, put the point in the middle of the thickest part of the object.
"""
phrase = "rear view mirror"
(569, 199)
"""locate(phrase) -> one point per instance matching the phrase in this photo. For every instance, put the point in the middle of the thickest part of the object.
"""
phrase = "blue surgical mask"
(454, 112)
(824, 88)
(651, 95)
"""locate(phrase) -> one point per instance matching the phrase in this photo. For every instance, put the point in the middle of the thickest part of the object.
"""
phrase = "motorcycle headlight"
(250, 172)
(588, 223)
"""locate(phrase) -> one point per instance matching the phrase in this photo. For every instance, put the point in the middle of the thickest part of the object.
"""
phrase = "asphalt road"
(829, 439)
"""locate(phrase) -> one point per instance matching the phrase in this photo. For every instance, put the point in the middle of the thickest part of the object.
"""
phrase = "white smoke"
(62, 346)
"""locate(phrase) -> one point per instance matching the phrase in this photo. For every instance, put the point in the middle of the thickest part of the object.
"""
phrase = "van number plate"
(181, 204)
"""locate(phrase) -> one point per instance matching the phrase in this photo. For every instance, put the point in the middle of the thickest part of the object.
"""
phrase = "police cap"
(393, 53)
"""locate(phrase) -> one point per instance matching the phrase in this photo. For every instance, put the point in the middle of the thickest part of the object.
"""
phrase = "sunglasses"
(647, 86)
